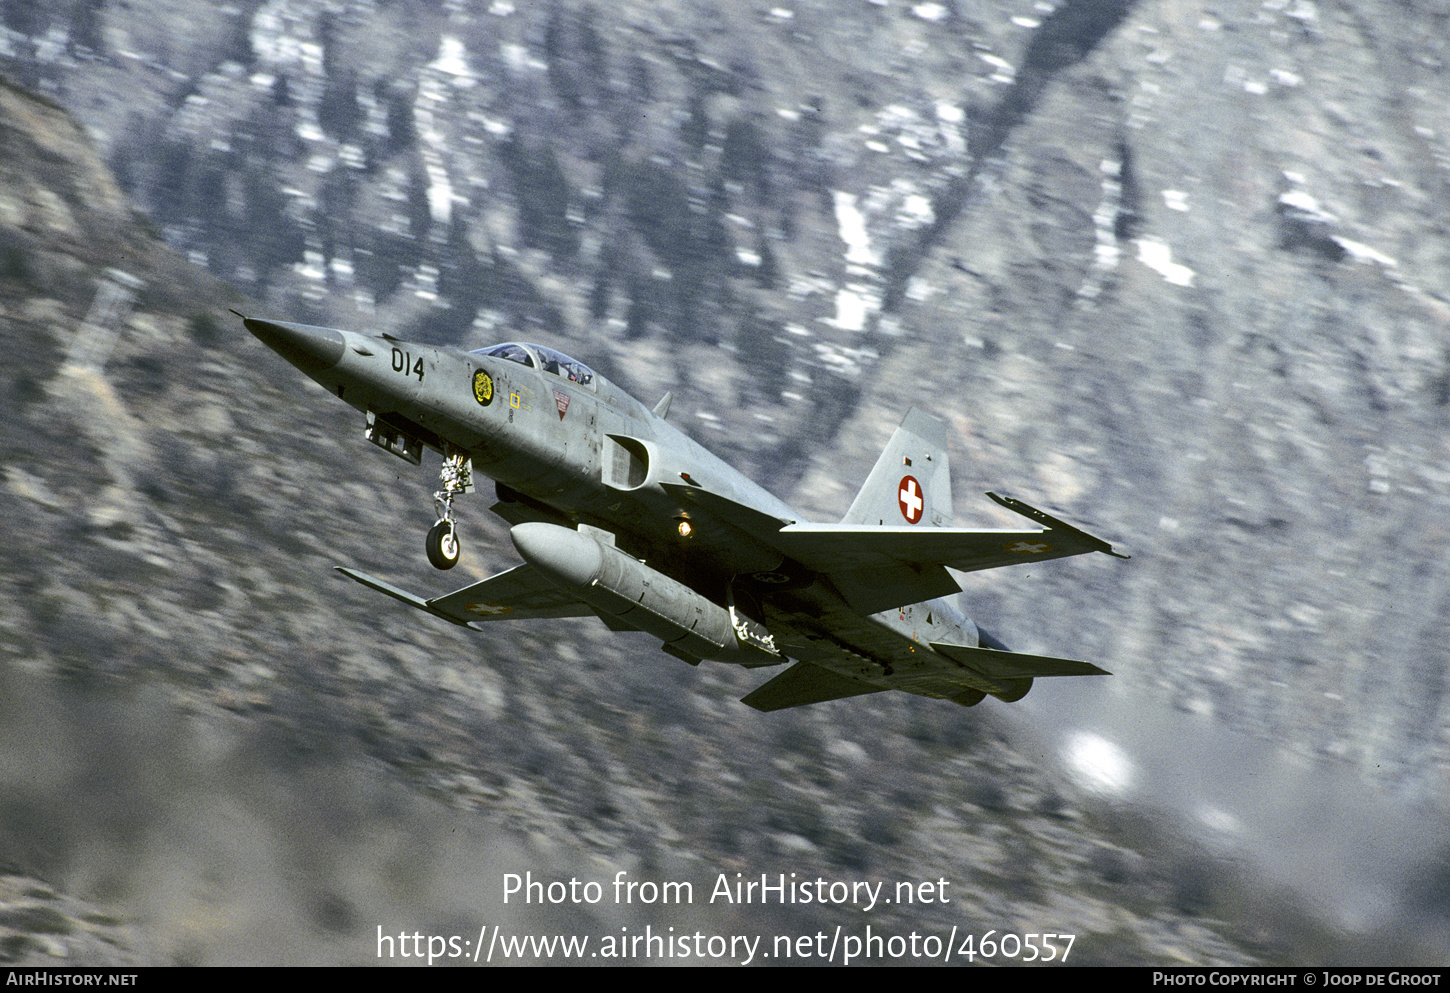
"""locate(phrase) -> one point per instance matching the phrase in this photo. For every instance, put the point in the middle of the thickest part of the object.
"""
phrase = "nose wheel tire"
(443, 548)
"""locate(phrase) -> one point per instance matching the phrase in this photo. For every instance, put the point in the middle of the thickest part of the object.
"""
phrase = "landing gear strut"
(456, 475)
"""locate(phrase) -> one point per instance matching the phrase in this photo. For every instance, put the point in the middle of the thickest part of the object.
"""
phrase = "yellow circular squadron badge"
(483, 387)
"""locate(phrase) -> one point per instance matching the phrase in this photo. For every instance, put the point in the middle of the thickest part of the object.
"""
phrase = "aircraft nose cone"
(310, 349)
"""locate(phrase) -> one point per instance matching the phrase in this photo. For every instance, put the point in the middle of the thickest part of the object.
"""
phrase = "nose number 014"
(405, 363)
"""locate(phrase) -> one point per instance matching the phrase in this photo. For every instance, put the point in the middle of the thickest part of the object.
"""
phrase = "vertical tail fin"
(911, 483)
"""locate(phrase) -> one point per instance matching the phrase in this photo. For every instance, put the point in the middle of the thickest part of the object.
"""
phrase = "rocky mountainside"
(1172, 272)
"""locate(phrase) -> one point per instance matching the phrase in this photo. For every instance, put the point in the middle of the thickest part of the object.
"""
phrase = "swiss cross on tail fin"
(910, 499)
(911, 482)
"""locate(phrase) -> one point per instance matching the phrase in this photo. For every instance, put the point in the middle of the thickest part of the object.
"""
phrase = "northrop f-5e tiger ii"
(620, 516)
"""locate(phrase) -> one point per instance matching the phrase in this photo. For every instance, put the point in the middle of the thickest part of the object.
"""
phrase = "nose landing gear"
(456, 475)
(442, 542)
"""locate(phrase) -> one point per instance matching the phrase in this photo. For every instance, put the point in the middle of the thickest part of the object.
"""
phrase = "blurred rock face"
(1172, 272)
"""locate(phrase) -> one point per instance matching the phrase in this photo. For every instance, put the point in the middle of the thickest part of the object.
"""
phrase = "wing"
(518, 594)
(877, 568)
(853, 547)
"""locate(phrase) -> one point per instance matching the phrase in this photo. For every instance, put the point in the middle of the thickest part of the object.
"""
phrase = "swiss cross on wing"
(910, 500)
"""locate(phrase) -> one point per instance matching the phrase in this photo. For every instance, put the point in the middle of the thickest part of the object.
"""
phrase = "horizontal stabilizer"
(517, 594)
(804, 684)
(997, 665)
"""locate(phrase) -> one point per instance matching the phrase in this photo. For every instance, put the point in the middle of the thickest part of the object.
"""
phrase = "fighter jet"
(620, 516)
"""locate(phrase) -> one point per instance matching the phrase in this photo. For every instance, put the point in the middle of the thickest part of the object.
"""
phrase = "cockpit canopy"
(542, 357)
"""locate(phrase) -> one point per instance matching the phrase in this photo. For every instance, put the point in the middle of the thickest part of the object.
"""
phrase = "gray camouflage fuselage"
(688, 548)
